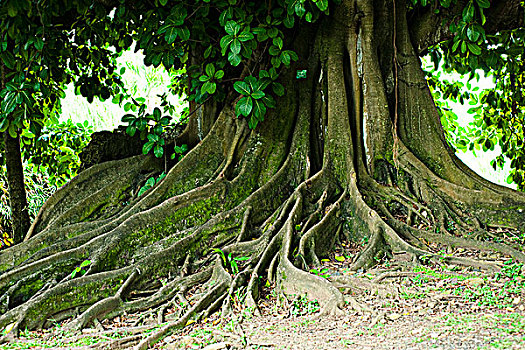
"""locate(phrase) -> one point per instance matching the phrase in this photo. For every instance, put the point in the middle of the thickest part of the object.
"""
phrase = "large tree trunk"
(354, 151)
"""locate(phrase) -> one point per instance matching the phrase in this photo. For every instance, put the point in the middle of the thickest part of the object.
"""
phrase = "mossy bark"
(344, 155)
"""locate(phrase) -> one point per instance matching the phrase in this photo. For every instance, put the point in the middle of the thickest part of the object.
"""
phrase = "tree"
(38, 58)
(15, 179)
(310, 123)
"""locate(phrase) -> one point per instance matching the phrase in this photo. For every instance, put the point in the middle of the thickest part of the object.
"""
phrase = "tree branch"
(428, 28)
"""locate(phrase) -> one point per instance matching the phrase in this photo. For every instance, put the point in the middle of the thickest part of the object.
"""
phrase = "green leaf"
(85, 263)
(289, 21)
(158, 151)
(219, 74)
(273, 32)
(150, 182)
(455, 46)
(473, 34)
(163, 2)
(257, 94)
(224, 16)
(209, 87)
(468, 12)
(147, 147)
(4, 124)
(274, 50)
(28, 134)
(252, 122)
(308, 17)
(131, 130)
(232, 28)
(484, 4)
(339, 258)
(210, 70)
(245, 36)
(11, 10)
(475, 49)
(184, 33)
(157, 113)
(278, 89)
(207, 52)
(299, 9)
(234, 59)
(483, 18)
(242, 88)
(225, 43)
(292, 54)
(269, 101)
(39, 43)
(128, 118)
(235, 46)
(322, 5)
(285, 58)
(261, 33)
(252, 82)
(13, 131)
(244, 106)
(171, 34)
(278, 42)
(259, 109)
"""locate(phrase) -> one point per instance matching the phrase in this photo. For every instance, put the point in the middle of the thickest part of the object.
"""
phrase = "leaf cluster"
(498, 113)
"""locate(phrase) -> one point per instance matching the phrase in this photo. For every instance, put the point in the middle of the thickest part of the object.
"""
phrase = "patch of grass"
(407, 295)
(301, 306)
(508, 289)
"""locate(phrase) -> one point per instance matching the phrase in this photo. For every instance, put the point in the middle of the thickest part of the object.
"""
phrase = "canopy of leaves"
(233, 46)
(498, 113)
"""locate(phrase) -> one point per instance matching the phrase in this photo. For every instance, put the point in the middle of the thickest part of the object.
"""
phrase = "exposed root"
(222, 279)
(102, 307)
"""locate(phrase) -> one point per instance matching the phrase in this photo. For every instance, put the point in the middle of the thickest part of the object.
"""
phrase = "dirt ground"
(414, 307)
(429, 311)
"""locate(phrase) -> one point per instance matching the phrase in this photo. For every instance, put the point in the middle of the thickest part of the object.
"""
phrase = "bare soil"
(400, 307)
(432, 309)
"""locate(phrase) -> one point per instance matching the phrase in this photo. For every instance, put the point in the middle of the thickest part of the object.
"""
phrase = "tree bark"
(17, 191)
(15, 179)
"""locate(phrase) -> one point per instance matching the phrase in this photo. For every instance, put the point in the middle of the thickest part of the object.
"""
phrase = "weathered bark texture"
(17, 191)
(15, 179)
(354, 151)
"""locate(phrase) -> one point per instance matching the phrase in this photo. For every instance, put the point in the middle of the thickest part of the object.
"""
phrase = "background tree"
(311, 123)
(40, 55)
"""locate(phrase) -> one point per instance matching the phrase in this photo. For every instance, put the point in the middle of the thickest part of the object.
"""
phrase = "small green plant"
(179, 152)
(321, 273)
(55, 149)
(301, 306)
(150, 126)
(510, 269)
(80, 269)
(150, 182)
(230, 261)
(301, 74)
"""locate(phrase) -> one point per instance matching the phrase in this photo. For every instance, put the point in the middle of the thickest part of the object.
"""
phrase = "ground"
(403, 306)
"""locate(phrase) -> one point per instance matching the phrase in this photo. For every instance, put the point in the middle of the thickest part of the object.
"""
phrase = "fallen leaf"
(9, 328)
